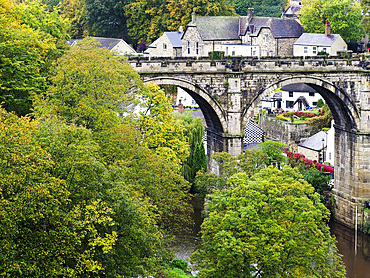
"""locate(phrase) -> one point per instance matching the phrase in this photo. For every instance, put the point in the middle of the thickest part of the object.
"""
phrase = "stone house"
(167, 45)
(118, 46)
(240, 35)
(310, 44)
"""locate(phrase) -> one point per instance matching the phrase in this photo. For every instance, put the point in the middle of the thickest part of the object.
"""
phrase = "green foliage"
(249, 163)
(320, 103)
(343, 15)
(37, 214)
(323, 120)
(270, 8)
(262, 225)
(30, 40)
(149, 19)
(107, 18)
(274, 151)
(181, 264)
(88, 91)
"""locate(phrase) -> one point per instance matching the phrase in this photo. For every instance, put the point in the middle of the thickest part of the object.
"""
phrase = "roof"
(317, 39)
(292, 10)
(298, 87)
(218, 27)
(316, 142)
(175, 38)
(108, 43)
(303, 100)
(280, 27)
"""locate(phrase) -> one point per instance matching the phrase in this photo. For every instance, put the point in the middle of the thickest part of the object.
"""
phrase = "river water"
(355, 250)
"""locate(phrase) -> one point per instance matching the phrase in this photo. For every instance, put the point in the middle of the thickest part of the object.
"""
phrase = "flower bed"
(300, 160)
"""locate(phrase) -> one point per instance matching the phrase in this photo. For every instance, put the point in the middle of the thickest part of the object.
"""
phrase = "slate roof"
(292, 10)
(315, 142)
(316, 39)
(298, 87)
(108, 43)
(280, 27)
(218, 27)
(175, 38)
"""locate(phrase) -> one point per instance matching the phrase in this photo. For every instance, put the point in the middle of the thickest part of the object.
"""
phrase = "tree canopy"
(270, 8)
(344, 17)
(31, 39)
(261, 227)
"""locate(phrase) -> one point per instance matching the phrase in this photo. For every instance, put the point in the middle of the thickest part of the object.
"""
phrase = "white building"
(167, 45)
(185, 99)
(310, 44)
(293, 97)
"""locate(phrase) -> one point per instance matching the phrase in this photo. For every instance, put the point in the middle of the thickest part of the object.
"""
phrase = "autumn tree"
(147, 20)
(344, 17)
(44, 233)
(30, 40)
(261, 226)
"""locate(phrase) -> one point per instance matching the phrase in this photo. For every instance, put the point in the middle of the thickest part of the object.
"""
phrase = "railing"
(236, 64)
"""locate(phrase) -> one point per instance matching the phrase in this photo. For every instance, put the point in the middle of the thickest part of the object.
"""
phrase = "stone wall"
(287, 133)
(285, 46)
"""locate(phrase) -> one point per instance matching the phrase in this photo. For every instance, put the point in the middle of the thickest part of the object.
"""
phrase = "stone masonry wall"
(287, 133)
(285, 46)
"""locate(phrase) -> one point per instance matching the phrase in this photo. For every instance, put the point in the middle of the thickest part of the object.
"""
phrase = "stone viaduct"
(228, 92)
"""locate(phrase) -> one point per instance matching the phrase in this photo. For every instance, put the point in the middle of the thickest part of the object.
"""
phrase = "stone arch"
(345, 112)
(214, 115)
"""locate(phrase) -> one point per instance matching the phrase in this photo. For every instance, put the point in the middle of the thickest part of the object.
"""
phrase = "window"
(314, 103)
(311, 94)
(289, 104)
(193, 102)
(266, 37)
(314, 50)
(233, 53)
(227, 51)
(305, 49)
(197, 48)
(329, 155)
(188, 47)
(164, 46)
(324, 49)
(290, 94)
(254, 53)
(254, 41)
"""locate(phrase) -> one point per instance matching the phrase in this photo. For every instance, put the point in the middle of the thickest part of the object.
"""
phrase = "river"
(356, 260)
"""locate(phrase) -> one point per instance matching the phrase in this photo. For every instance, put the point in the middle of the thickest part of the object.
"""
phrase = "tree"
(107, 18)
(365, 21)
(75, 11)
(43, 233)
(261, 226)
(197, 159)
(270, 8)
(30, 41)
(250, 162)
(274, 151)
(344, 17)
(147, 20)
(91, 86)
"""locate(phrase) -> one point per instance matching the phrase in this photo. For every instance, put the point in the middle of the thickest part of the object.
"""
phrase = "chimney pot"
(327, 28)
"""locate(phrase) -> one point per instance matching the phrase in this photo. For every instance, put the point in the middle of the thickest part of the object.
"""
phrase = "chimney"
(250, 13)
(327, 28)
(181, 30)
(193, 17)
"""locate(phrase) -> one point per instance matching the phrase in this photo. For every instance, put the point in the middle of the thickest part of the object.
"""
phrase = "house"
(310, 44)
(294, 9)
(314, 147)
(185, 99)
(293, 97)
(167, 45)
(240, 35)
(118, 46)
